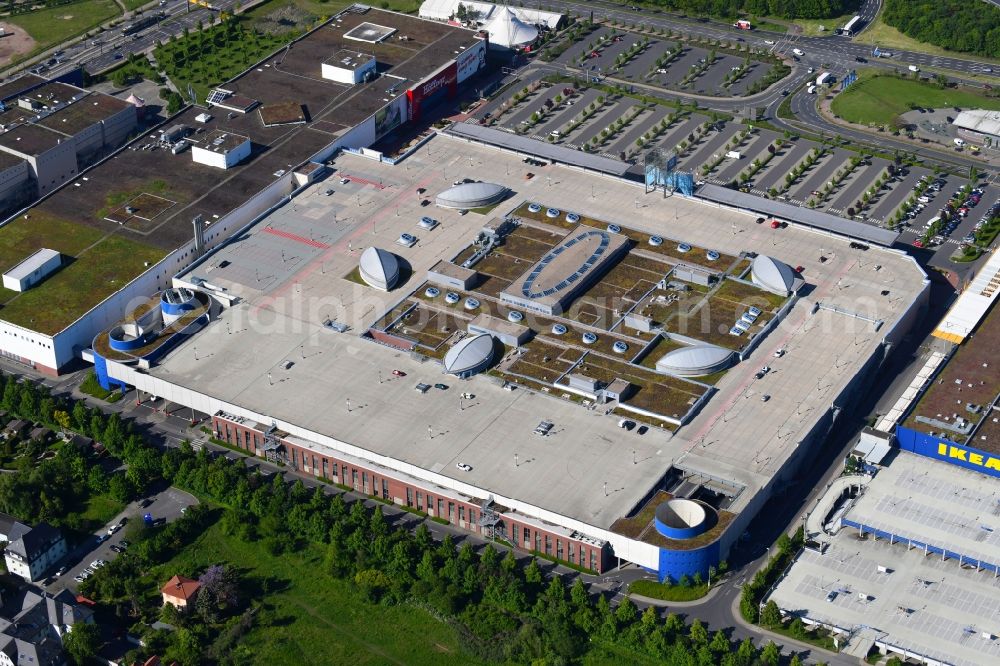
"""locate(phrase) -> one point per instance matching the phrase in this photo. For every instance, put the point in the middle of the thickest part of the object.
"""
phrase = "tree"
(626, 613)
(770, 654)
(771, 615)
(82, 642)
(698, 633)
(219, 587)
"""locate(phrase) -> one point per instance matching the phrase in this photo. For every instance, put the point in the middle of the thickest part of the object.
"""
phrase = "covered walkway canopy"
(807, 216)
(535, 148)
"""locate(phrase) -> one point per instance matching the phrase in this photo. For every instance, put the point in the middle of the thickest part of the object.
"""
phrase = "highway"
(101, 52)
(833, 49)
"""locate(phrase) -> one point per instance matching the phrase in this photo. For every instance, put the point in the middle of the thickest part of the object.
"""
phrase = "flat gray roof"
(561, 154)
(935, 503)
(293, 271)
(807, 216)
(922, 603)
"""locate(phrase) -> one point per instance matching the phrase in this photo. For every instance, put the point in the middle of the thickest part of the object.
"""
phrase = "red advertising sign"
(447, 77)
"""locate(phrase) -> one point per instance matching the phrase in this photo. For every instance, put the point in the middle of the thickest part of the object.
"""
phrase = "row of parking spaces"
(562, 123)
(965, 226)
(691, 68)
(581, 119)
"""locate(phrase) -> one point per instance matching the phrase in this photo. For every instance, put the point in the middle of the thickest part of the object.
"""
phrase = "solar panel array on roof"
(579, 273)
(217, 96)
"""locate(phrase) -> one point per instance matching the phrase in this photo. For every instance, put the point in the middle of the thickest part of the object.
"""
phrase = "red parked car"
(399, 373)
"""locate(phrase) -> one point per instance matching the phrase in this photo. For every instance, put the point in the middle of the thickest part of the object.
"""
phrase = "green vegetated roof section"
(95, 265)
(640, 526)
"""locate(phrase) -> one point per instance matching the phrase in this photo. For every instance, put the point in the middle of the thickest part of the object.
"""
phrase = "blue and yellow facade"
(947, 451)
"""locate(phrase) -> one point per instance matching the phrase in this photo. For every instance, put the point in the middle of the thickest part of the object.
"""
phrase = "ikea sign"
(969, 455)
(947, 451)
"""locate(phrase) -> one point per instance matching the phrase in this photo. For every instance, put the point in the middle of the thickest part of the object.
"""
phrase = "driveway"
(167, 504)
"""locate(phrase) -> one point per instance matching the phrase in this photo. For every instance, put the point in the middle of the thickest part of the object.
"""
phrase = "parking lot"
(664, 62)
(167, 505)
(794, 169)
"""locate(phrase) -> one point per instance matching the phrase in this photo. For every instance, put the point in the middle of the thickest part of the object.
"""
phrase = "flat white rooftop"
(292, 273)
(936, 608)
(31, 264)
(935, 503)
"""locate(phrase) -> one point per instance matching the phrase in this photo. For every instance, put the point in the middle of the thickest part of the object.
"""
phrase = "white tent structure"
(506, 30)
(484, 12)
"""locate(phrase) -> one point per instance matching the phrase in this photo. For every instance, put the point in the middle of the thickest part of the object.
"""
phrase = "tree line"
(958, 25)
(789, 9)
(503, 611)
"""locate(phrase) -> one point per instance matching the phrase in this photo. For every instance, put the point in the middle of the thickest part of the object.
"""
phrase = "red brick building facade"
(523, 531)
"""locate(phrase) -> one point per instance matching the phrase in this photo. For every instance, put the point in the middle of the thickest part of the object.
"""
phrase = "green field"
(53, 26)
(98, 265)
(889, 38)
(879, 99)
(811, 27)
(318, 619)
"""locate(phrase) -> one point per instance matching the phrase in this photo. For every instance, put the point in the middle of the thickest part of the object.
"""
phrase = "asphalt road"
(101, 52)
(831, 48)
(167, 504)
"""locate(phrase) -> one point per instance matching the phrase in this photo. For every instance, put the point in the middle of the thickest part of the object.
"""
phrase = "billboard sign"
(389, 117)
(471, 60)
(445, 78)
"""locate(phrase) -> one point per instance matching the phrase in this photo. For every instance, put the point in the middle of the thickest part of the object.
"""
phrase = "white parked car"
(464, 467)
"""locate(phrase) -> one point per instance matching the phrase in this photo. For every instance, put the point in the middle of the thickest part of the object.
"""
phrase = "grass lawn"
(888, 38)
(320, 620)
(90, 386)
(100, 509)
(99, 266)
(767, 24)
(654, 590)
(878, 99)
(811, 27)
(52, 26)
(92, 517)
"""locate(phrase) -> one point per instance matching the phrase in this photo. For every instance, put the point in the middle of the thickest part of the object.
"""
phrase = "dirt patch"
(14, 42)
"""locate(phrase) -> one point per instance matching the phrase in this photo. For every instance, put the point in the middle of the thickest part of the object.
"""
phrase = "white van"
(913, 68)
(959, 142)
(798, 52)
(811, 90)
